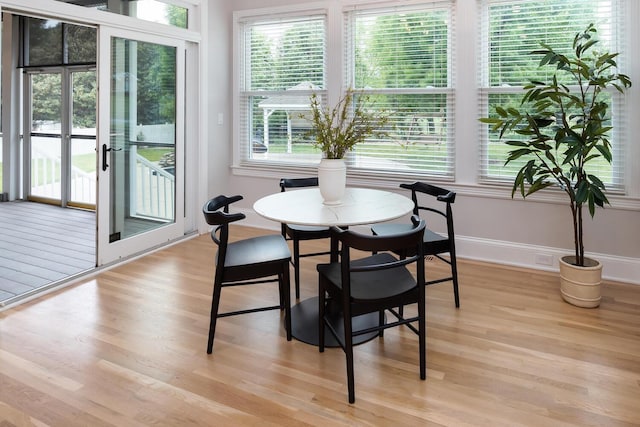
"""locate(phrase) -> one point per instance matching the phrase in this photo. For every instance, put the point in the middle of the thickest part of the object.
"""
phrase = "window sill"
(392, 180)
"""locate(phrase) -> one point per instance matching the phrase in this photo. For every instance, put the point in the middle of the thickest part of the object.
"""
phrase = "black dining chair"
(376, 283)
(251, 261)
(298, 233)
(435, 244)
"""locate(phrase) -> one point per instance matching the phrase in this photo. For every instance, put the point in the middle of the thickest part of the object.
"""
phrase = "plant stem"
(580, 258)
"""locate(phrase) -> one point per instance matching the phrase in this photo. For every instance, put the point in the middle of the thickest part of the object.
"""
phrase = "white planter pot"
(580, 286)
(332, 180)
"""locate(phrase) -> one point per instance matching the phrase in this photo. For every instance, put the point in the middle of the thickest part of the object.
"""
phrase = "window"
(47, 42)
(282, 63)
(157, 11)
(512, 29)
(401, 57)
(160, 11)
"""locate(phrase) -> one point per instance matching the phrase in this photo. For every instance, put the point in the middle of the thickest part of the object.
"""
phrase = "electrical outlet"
(544, 259)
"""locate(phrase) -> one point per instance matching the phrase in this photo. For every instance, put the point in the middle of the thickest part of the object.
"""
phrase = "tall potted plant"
(564, 130)
(337, 130)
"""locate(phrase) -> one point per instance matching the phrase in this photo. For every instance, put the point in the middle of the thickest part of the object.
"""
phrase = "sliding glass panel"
(83, 138)
(46, 141)
(143, 137)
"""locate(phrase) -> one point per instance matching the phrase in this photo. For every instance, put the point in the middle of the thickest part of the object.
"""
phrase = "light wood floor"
(127, 348)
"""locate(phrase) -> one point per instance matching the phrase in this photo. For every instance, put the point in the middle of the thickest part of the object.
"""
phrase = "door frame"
(197, 87)
(109, 252)
(66, 132)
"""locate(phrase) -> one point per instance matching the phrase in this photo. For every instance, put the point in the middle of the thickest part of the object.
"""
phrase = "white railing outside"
(152, 189)
(45, 178)
(152, 195)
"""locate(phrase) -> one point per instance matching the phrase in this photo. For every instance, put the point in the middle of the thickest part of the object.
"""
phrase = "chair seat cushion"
(391, 228)
(434, 243)
(257, 250)
(372, 285)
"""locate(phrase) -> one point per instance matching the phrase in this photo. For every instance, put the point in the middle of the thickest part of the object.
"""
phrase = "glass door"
(62, 137)
(82, 186)
(141, 143)
(44, 94)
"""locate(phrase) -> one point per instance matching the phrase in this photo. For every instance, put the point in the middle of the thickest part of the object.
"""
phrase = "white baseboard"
(614, 268)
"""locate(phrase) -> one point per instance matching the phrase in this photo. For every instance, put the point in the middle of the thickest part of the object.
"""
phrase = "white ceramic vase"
(580, 286)
(332, 180)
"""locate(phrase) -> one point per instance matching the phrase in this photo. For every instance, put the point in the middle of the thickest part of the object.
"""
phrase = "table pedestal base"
(304, 324)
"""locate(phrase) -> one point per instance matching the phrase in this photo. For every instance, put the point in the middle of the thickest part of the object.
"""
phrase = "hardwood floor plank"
(127, 347)
(14, 417)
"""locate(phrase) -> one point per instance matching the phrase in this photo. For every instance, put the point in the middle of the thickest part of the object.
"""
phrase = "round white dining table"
(359, 206)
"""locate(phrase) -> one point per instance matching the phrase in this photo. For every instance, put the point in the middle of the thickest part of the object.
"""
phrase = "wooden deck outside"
(41, 245)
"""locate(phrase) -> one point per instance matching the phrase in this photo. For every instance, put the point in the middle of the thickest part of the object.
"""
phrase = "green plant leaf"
(516, 143)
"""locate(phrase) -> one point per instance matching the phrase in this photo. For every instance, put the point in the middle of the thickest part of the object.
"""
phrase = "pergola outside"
(289, 103)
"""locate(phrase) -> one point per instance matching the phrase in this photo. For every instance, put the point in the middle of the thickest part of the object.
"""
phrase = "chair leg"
(296, 266)
(215, 303)
(285, 284)
(422, 338)
(348, 349)
(321, 311)
(454, 273)
(381, 323)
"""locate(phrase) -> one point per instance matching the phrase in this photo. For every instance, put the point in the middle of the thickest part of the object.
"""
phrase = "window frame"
(465, 38)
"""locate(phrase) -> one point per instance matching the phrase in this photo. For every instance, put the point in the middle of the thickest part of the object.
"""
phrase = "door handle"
(105, 150)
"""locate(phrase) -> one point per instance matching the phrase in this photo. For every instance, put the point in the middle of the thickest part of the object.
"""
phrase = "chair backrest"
(214, 216)
(441, 194)
(410, 241)
(216, 212)
(297, 183)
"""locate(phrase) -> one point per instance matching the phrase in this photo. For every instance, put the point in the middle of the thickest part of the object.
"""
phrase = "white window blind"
(401, 57)
(282, 62)
(510, 31)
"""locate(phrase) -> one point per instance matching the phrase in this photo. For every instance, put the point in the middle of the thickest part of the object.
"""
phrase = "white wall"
(219, 149)
(489, 224)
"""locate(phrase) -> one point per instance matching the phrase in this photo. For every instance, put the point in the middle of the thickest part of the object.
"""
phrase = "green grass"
(296, 148)
(154, 154)
(424, 157)
(413, 153)
(85, 162)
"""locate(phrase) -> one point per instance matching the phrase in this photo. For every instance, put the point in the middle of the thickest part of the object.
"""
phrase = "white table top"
(359, 206)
